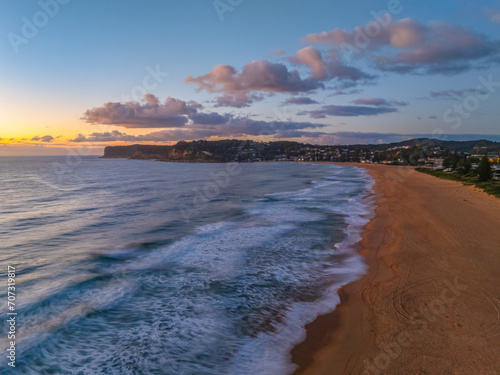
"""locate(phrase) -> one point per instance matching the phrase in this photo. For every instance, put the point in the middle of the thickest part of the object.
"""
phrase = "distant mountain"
(457, 146)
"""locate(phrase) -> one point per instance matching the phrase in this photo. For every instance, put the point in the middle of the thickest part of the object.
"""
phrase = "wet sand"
(429, 303)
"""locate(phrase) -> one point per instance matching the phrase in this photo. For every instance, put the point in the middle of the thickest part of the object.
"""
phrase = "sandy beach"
(429, 303)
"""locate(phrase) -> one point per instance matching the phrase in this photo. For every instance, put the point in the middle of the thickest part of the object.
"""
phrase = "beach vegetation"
(484, 170)
(490, 186)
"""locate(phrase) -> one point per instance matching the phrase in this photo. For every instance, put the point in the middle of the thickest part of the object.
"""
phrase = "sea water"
(143, 267)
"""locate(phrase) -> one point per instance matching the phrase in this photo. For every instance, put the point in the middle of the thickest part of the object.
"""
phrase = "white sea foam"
(270, 354)
(233, 297)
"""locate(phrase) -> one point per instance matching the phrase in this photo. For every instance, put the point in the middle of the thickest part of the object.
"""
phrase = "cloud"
(363, 107)
(112, 136)
(247, 126)
(203, 125)
(346, 92)
(193, 125)
(493, 15)
(346, 138)
(313, 58)
(433, 117)
(260, 75)
(238, 99)
(407, 46)
(331, 67)
(238, 88)
(45, 138)
(379, 102)
(401, 34)
(348, 75)
(278, 52)
(151, 114)
(347, 111)
(300, 100)
(456, 94)
(210, 118)
(157, 136)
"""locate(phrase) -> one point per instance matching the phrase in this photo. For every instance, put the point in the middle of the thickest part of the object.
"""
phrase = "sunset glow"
(337, 76)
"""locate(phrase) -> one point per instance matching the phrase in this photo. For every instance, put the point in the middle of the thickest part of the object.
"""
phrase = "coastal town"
(440, 155)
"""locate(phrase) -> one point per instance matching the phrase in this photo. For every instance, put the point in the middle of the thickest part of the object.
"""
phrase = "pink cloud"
(237, 99)
(401, 34)
(259, 75)
(329, 68)
(312, 57)
(264, 76)
(408, 46)
(193, 124)
(151, 114)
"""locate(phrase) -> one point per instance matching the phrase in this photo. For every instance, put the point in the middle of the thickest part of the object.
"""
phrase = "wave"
(228, 297)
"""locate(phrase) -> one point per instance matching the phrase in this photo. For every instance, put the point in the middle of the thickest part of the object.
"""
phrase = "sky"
(81, 75)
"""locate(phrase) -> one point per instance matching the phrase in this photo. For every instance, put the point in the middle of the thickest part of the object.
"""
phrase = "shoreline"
(319, 331)
(380, 325)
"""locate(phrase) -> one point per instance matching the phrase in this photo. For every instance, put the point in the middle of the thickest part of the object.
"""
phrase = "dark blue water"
(142, 267)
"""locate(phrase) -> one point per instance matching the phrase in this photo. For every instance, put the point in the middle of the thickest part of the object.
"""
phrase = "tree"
(447, 163)
(468, 166)
(484, 169)
(464, 166)
(460, 166)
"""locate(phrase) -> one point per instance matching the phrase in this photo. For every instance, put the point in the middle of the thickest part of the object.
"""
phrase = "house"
(438, 162)
(496, 171)
(493, 158)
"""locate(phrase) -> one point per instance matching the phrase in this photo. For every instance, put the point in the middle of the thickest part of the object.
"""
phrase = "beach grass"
(491, 187)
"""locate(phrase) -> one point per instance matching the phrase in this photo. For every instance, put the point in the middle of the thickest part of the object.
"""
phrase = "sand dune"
(429, 303)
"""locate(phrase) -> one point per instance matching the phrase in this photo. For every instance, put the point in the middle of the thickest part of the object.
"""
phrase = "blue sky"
(88, 53)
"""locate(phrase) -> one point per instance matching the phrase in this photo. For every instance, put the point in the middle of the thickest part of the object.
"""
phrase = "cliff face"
(163, 153)
(135, 152)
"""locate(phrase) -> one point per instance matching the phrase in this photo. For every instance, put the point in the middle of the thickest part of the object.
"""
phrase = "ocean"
(144, 267)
